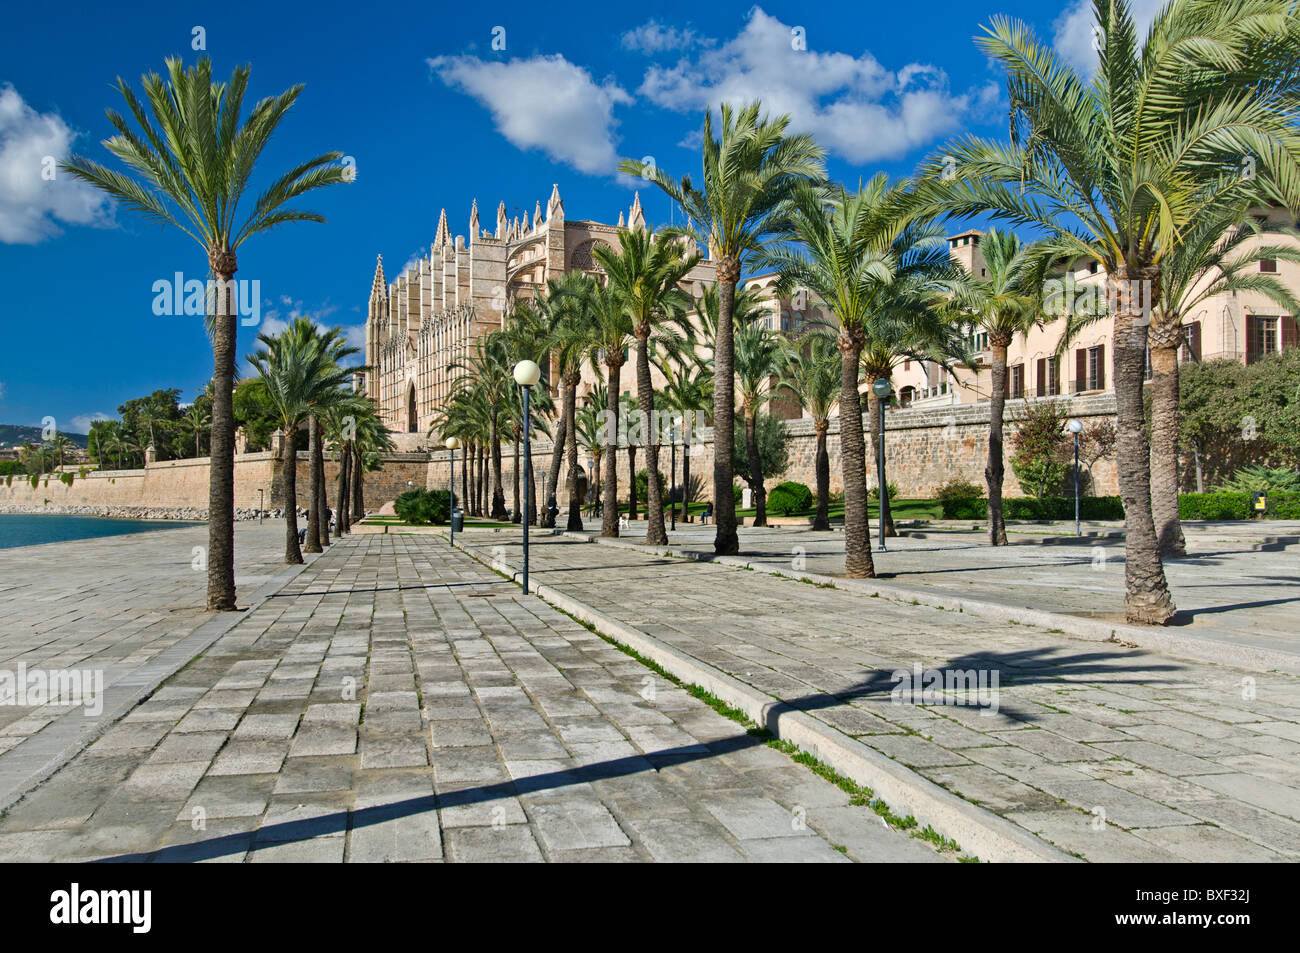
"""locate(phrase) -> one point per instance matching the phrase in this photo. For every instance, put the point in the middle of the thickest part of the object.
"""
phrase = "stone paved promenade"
(1239, 583)
(1183, 760)
(398, 701)
(119, 605)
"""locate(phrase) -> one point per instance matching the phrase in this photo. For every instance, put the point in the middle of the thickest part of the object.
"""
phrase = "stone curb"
(70, 734)
(979, 832)
(1155, 639)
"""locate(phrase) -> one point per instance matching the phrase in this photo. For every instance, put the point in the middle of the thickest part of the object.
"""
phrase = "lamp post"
(881, 389)
(1075, 427)
(451, 443)
(527, 374)
(261, 503)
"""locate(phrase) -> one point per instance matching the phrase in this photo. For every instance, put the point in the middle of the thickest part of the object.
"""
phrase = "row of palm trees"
(1119, 169)
(303, 380)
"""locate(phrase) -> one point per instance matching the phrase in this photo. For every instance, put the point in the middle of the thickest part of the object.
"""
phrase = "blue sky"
(433, 115)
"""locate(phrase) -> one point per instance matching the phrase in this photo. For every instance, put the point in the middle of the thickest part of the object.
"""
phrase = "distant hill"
(13, 434)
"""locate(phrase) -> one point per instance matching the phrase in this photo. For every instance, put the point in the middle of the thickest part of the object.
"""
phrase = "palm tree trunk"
(345, 458)
(557, 458)
(464, 478)
(609, 502)
(994, 471)
(755, 467)
(873, 434)
(858, 563)
(574, 523)
(655, 534)
(517, 513)
(313, 490)
(726, 541)
(498, 487)
(323, 500)
(358, 482)
(823, 467)
(221, 468)
(686, 479)
(1147, 599)
(289, 478)
(532, 492)
(1164, 451)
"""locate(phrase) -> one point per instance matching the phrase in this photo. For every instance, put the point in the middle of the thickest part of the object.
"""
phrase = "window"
(1048, 382)
(1090, 368)
(984, 273)
(1261, 337)
(1268, 266)
(1190, 350)
(1092, 267)
(1016, 380)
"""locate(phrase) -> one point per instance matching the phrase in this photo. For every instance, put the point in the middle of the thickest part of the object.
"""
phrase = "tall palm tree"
(758, 354)
(645, 274)
(298, 370)
(749, 174)
(1004, 302)
(570, 310)
(197, 419)
(611, 339)
(812, 375)
(688, 391)
(589, 430)
(487, 371)
(195, 159)
(867, 257)
(334, 344)
(525, 339)
(1116, 170)
(339, 417)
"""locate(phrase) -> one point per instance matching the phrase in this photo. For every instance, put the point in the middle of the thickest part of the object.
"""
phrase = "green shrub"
(1250, 479)
(1062, 508)
(1214, 506)
(643, 485)
(789, 498)
(1041, 452)
(736, 492)
(1284, 506)
(421, 507)
(873, 497)
(962, 500)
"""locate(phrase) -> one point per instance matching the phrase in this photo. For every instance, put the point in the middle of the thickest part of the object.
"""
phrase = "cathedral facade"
(422, 325)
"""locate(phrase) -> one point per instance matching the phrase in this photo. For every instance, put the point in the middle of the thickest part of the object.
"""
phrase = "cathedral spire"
(554, 206)
(537, 215)
(636, 216)
(503, 224)
(443, 236)
(473, 221)
(380, 284)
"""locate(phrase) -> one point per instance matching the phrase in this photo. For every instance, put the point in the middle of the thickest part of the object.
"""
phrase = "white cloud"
(654, 37)
(857, 108)
(544, 102)
(1073, 31)
(32, 204)
(81, 423)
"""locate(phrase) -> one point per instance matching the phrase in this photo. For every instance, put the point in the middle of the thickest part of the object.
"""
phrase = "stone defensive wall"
(924, 449)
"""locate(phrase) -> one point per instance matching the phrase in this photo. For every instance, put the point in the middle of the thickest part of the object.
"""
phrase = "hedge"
(1031, 508)
(421, 507)
(789, 498)
(1236, 506)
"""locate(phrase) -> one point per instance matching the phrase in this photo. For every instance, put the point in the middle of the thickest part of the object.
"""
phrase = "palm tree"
(610, 340)
(299, 370)
(525, 339)
(868, 258)
(749, 174)
(338, 416)
(1004, 303)
(197, 418)
(59, 447)
(645, 274)
(812, 375)
(1117, 169)
(569, 306)
(487, 371)
(758, 352)
(334, 344)
(688, 391)
(589, 430)
(195, 160)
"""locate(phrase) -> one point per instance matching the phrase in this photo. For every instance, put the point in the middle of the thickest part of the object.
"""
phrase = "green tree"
(750, 172)
(1116, 169)
(812, 375)
(195, 159)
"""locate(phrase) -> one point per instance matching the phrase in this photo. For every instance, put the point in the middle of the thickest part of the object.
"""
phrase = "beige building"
(1244, 327)
(425, 321)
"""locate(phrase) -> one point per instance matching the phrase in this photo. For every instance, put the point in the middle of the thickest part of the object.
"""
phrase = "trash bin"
(457, 521)
(1259, 503)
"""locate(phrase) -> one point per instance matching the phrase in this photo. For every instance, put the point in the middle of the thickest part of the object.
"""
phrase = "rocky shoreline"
(192, 514)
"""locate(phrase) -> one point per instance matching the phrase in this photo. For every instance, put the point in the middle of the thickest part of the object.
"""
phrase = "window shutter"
(1252, 339)
(1288, 332)
(1080, 370)
(1101, 367)
(1041, 370)
(1194, 340)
